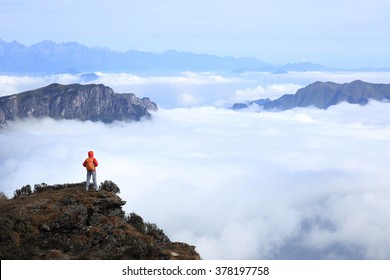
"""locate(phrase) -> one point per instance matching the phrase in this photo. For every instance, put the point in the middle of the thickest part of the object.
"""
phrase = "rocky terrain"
(82, 102)
(66, 222)
(323, 95)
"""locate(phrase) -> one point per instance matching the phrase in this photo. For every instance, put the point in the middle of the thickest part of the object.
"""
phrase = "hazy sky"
(335, 32)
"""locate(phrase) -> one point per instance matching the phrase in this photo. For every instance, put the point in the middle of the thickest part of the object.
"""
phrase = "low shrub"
(25, 190)
(109, 186)
(147, 228)
(3, 197)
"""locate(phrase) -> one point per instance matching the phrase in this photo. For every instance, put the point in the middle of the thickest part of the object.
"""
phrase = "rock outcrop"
(323, 95)
(66, 222)
(82, 102)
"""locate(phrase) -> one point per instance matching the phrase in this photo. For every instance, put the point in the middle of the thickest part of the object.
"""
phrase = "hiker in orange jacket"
(90, 164)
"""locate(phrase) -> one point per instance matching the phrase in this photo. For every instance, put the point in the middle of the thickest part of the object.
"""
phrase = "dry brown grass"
(66, 222)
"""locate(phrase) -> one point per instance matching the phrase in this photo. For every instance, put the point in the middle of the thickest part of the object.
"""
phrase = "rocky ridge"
(66, 222)
(322, 95)
(75, 101)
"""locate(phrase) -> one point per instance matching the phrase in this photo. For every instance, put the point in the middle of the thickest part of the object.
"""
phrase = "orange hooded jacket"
(90, 156)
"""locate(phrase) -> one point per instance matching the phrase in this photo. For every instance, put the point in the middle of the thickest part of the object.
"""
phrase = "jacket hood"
(90, 154)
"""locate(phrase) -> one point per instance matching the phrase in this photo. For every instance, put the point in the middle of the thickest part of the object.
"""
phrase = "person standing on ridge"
(90, 164)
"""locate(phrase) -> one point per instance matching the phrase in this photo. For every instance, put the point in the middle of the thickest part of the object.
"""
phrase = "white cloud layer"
(15, 84)
(303, 183)
(197, 89)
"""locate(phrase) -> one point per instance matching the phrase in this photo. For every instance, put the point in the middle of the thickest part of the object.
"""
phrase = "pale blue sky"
(350, 33)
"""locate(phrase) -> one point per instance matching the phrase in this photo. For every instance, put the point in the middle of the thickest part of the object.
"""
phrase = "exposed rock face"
(83, 102)
(66, 222)
(323, 95)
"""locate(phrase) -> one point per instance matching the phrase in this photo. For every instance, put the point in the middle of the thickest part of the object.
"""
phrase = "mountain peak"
(50, 57)
(325, 94)
(75, 101)
(66, 222)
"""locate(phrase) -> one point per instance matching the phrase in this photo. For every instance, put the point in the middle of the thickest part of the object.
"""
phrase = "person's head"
(90, 154)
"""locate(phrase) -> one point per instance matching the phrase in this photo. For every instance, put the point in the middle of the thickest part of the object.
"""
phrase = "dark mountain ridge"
(322, 95)
(82, 102)
(68, 223)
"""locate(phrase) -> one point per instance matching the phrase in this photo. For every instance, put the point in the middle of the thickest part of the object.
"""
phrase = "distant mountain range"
(49, 57)
(323, 95)
(82, 102)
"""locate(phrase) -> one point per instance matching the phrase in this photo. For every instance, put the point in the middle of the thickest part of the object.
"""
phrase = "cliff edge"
(82, 102)
(66, 222)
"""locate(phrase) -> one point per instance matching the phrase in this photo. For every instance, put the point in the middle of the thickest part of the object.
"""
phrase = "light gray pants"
(89, 174)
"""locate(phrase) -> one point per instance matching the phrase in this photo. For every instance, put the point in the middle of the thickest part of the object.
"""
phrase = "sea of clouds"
(299, 184)
(191, 89)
